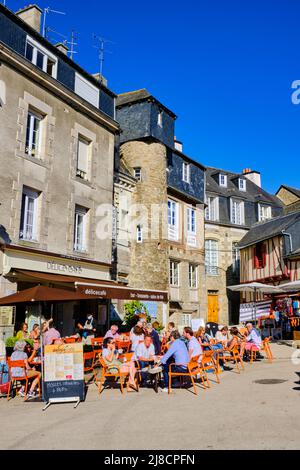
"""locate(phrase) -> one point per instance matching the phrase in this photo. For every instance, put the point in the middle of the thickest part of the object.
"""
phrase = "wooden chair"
(97, 341)
(208, 363)
(24, 378)
(253, 351)
(122, 376)
(88, 363)
(266, 348)
(125, 345)
(233, 356)
(69, 340)
(193, 369)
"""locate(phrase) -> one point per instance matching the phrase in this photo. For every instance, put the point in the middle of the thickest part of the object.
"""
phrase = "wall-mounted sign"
(64, 268)
(123, 293)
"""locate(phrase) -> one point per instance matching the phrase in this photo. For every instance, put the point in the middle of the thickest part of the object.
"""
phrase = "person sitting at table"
(144, 354)
(35, 336)
(252, 340)
(110, 356)
(222, 336)
(203, 337)
(136, 337)
(50, 332)
(178, 354)
(194, 346)
(155, 338)
(112, 332)
(170, 328)
(23, 332)
(19, 354)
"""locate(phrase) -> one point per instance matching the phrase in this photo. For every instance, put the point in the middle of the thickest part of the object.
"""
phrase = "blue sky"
(224, 67)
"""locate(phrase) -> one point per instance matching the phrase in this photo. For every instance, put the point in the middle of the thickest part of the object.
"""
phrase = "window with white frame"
(193, 276)
(264, 212)
(33, 133)
(242, 184)
(237, 212)
(138, 173)
(186, 319)
(40, 57)
(212, 257)
(235, 257)
(83, 155)
(191, 227)
(222, 180)
(186, 172)
(212, 209)
(29, 216)
(80, 228)
(139, 234)
(173, 222)
(174, 273)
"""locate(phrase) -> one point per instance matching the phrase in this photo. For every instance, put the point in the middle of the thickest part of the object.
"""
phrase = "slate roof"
(265, 230)
(253, 192)
(289, 188)
(137, 96)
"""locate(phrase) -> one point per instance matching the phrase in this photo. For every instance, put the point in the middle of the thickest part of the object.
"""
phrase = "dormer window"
(185, 172)
(242, 184)
(40, 57)
(223, 180)
(138, 173)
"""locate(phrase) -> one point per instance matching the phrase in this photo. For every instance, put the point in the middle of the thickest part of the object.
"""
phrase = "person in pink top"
(112, 333)
(50, 333)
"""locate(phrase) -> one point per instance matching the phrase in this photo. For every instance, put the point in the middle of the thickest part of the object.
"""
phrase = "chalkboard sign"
(64, 389)
(63, 373)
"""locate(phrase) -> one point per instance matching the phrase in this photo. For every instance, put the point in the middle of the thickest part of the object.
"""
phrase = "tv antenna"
(46, 11)
(101, 52)
(74, 38)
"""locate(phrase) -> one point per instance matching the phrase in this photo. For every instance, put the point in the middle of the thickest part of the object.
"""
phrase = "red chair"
(25, 378)
(88, 363)
(125, 345)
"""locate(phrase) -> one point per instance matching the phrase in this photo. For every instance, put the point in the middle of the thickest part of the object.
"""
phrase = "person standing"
(155, 338)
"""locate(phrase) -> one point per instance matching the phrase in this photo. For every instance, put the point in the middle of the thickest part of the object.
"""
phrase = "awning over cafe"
(105, 291)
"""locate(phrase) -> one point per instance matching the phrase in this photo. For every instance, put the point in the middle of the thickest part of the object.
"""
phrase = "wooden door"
(213, 309)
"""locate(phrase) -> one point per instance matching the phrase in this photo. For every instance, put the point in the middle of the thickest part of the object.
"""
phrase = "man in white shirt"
(194, 347)
(144, 354)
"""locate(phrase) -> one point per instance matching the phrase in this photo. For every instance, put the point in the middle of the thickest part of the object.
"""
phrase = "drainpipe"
(291, 240)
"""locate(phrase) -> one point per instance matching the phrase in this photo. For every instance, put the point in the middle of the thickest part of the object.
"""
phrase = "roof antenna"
(101, 51)
(74, 38)
(46, 11)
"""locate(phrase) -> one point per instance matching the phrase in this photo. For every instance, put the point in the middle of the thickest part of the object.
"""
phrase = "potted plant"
(9, 345)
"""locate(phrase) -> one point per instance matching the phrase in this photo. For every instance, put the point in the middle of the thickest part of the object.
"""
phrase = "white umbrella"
(290, 286)
(255, 287)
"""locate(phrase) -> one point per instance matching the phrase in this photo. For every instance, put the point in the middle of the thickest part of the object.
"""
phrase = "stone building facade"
(167, 249)
(235, 203)
(57, 162)
(290, 197)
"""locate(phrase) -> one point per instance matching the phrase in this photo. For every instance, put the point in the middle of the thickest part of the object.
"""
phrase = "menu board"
(64, 371)
(7, 315)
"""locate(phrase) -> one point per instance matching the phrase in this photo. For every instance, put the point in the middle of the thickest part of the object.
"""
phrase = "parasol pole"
(255, 305)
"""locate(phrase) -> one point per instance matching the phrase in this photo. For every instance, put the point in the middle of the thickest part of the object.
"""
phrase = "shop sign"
(123, 293)
(64, 268)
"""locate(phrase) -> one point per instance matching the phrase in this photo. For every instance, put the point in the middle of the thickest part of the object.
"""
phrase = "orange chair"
(88, 363)
(234, 356)
(97, 341)
(125, 345)
(193, 369)
(24, 378)
(208, 363)
(69, 340)
(122, 376)
(266, 348)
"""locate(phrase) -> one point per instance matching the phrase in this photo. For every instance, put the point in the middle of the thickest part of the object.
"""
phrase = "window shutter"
(255, 259)
(264, 255)
(82, 158)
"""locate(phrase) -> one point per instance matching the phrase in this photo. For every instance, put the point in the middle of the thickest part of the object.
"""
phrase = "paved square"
(237, 414)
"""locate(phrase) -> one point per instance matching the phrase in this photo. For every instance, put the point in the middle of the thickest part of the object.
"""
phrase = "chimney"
(100, 78)
(62, 47)
(253, 176)
(178, 145)
(32, 16)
